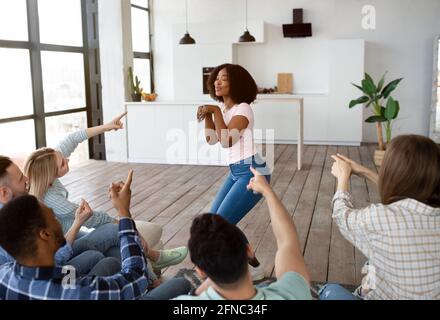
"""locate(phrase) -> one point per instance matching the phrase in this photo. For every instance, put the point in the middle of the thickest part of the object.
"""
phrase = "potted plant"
(136, 90)
(385, 108)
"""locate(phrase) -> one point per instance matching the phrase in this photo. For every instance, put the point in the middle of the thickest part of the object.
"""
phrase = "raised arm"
(132, 282)
(71, 141)
(210, 134)
(352, 223)
(360, 170)
(289, 256)
(115, 124)
(82, 214)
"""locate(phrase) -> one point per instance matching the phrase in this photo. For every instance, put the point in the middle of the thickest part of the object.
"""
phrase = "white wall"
(115, 50)
(401, 44)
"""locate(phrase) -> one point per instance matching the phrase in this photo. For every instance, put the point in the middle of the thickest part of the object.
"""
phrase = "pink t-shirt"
(244, 147)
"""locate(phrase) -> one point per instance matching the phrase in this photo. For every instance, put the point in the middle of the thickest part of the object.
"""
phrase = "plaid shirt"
(18, 282)
(62, 256)
(401, 241)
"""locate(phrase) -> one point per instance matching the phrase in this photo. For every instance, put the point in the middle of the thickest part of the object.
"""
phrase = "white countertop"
(260, 97)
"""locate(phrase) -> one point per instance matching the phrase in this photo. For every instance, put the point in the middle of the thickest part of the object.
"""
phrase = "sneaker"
(257, 272)
(170, 257)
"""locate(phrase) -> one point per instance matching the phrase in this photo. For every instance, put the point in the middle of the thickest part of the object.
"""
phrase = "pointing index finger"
(121, 115)
(129, 179)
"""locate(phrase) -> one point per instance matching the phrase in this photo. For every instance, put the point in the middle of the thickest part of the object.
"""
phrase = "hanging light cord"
(246, 16)
(186, 14)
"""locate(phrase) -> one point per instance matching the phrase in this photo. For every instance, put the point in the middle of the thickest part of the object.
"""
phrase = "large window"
(49, 79)
(141, 39)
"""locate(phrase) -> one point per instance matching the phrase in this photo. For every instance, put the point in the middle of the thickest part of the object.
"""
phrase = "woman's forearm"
(70, 236)
(343, 183)
(370, 175)
(210, 133)
(95, 131)
(222, 130)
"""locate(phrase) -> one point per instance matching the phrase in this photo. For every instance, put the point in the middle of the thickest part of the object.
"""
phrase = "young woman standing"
(231, 124)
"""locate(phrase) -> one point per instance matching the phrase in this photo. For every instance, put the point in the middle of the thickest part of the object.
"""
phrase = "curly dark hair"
(242, 86)
(218, 248)
(20, 221)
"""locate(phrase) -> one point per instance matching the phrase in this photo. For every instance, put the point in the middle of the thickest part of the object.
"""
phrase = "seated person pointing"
(219, 251)
(31, 234)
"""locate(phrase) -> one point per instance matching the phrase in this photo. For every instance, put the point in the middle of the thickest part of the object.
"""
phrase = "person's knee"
(334, 291)
(106, 267)
(184, 284)
(93, 256)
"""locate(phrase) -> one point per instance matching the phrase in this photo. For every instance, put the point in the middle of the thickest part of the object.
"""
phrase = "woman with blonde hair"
(401, 235)
(45, 166)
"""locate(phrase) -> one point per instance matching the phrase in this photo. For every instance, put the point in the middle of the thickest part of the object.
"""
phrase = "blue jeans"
(234, 201)
(92, 262)
(169, 290)
(104, 239)
(333, 291)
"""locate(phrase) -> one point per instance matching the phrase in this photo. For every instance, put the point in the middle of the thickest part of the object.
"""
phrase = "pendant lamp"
(246, 36)
(186, 39)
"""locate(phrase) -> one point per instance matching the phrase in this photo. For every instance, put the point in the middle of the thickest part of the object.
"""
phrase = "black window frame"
(146, 55)
(90, 51)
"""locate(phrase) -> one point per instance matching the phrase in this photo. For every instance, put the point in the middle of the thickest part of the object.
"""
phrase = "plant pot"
(136, 97)
(378, 157)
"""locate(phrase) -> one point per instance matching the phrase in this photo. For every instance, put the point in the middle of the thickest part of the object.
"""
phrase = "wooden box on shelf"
(285, 83)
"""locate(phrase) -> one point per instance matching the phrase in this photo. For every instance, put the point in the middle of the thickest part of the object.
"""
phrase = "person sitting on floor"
(401, 235)
(13, 184)
(31, 234)
(46, 166)
(220, 252)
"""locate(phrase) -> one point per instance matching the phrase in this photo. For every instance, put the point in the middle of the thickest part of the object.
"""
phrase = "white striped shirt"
(401, 241)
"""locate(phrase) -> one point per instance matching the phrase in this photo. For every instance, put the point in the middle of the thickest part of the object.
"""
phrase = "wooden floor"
(172, 195)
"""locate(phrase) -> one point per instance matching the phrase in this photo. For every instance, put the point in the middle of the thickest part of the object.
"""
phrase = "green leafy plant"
(135, 83)
(385, 108)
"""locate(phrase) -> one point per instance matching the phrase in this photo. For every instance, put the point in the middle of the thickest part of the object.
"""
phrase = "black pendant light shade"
(186, 39)
(246, 37)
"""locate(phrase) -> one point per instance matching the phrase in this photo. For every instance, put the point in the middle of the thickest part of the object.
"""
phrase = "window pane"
(15, 83)
(63, 80)
(22, 138)
(13, 20)
(140, 30)
(141, 68)
(141, 3)
(58, 127)
(60, 22)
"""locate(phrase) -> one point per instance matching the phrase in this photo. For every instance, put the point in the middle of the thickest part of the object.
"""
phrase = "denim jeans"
(104, 239)
(169, 289)
(234, 201)
(92, 262)
(333, 291)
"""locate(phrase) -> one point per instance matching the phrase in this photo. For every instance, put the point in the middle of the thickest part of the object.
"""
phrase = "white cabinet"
(168, 133)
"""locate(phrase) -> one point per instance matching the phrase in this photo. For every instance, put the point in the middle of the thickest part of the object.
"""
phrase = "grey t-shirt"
(291, 286)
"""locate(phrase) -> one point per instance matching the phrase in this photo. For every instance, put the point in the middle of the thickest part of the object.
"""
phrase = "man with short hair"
(13, 184)
(30, 232)
(219, 251)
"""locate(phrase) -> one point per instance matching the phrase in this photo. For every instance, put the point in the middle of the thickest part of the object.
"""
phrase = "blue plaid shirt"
(18, 282)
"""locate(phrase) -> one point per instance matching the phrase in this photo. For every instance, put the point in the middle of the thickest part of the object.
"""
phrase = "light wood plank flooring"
(171, 195)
